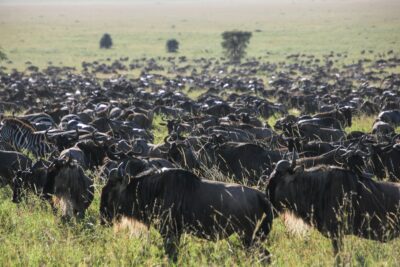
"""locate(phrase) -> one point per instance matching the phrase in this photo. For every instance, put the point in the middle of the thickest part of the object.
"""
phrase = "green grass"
(160, 131)
(362, 123)
(32, 235)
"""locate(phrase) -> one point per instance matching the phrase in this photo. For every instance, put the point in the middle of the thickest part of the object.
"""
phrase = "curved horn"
(166, 140)
(348, 153)
(363, 154)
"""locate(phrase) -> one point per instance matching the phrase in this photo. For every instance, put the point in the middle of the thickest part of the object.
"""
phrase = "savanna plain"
(68, 33)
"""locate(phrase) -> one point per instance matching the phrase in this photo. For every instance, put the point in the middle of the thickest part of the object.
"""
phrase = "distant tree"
(172, 46)
(3, 56)
(235, 44)
(106, 41)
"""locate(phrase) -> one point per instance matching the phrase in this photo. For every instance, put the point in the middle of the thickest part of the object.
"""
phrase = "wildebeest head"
(384, 158)
(283, 174)
(33, 179)
(94, 152)
(377, 159)
(118, 180)
(131, 167)
(109, 200)
(346, 111)
(180, 153)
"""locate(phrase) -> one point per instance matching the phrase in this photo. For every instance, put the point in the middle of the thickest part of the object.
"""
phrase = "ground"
(69, 33)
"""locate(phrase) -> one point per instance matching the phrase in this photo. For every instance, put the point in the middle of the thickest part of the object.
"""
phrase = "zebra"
(23, 136)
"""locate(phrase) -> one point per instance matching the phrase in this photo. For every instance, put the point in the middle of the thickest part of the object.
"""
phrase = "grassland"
(67, 34)
(32, 236)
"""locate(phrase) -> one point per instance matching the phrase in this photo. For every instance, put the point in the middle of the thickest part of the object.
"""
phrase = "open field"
(68, 33)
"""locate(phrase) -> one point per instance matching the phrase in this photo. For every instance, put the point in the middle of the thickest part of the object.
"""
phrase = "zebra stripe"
(22, 136)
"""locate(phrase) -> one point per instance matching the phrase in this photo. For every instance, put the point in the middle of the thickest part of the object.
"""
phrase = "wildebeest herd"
(81, 130)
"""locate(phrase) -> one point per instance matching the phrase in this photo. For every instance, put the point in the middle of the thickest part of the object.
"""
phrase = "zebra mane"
(18, 123)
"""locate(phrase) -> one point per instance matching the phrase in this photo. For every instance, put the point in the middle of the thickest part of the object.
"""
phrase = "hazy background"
(68, 32)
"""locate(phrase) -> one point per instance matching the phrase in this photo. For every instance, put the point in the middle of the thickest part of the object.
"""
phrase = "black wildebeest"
(63, 179)
(242, 160)
(385, 160)
(337, 201)
(33, 179)
(89, 154)
(182, 202)
(342, 114)
(390, 116)
(69, 184)
(10, 162)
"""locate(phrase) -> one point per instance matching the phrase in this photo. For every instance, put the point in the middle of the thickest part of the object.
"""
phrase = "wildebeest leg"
(171, 243)
(255, 245)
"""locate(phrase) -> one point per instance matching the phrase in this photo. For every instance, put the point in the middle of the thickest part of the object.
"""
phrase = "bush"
(235, 44)
(172, 46)
(106, 41)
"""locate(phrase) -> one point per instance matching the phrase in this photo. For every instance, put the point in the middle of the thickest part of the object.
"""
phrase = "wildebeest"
(89, 154)
(242, 160)
(33, 179)
(182, 202)
(385, 160)
(390, 116)
(343, 114)
(10, 162)
(63, 182)
(69, 184)
(337, 201)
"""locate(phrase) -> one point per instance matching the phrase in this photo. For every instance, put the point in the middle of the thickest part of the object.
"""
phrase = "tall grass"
(31, 234)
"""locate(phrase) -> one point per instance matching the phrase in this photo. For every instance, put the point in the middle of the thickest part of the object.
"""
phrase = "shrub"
(172, 46)
(106, 41)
